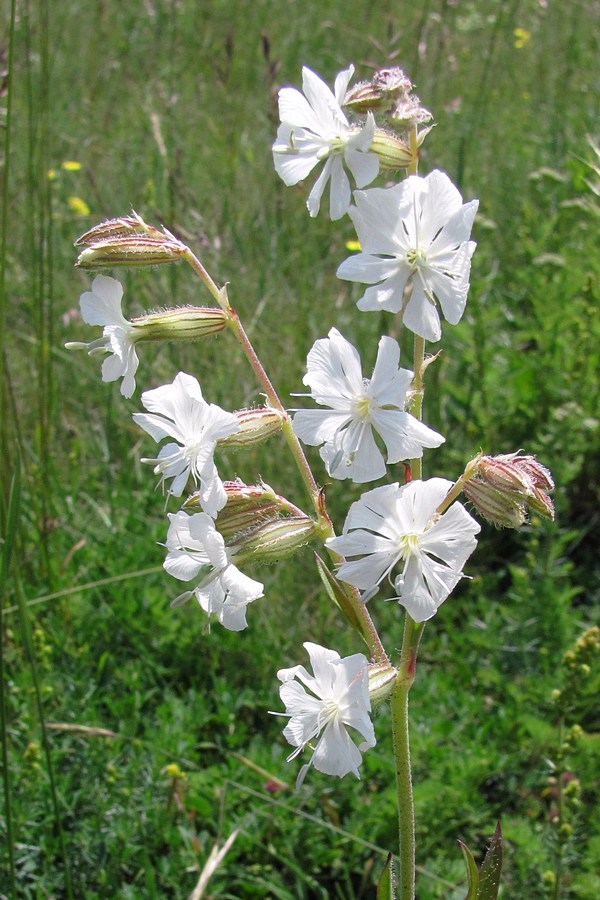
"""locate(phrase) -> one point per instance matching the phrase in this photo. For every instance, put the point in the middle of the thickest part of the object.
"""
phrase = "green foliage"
(169, 107)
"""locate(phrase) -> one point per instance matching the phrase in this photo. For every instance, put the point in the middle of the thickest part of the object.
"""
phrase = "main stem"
(401, 740)
(408, 659)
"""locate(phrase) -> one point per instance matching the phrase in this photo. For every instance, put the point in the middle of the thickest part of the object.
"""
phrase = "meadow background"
(169, 107)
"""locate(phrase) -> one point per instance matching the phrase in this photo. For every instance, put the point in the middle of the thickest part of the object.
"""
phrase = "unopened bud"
(505, 487)
(381, 93)
(503, 508)
(392, 152)
(183, 323)
(121, 225)
(275, 539)
(246, 507)
(521, 473)
(409, 112)
(131, 250)
(256, 425)
(381, 682)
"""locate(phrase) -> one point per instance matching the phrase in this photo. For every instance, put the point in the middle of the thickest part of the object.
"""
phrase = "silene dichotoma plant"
(407, 539)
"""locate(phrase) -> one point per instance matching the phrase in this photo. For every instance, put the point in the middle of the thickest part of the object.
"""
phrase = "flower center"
(361, 408)
(416, 258)
(327, 713)
(192, 449)
(408, 545)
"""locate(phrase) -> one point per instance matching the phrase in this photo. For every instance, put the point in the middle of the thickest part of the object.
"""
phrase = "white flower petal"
(421, 315)
(342, 80)
(313, 129)
(397, 526)
(368, 269)
(313, 202)
(102, 305)
(327, 109)
(359, 409)
(417, 230)
(388, 295)
(339, 701)
(340, 194)
(316, 426)
(178, 410)
(296, 112)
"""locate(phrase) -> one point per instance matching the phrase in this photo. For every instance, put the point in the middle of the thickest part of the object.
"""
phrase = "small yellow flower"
(353, 246)
(173, 771)
(51, 174)
(70, 165)
(79, 206)
(522, 37)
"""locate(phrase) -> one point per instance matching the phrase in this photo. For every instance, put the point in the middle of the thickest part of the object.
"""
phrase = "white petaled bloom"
(418, 232)
(314, 129)
(358, 408)
(196, 548)
(178, 410)
(398, 526)
(102, 306)
(328, 703)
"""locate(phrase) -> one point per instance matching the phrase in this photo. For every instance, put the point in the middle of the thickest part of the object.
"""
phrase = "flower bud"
(381, 93)
(183, 323)
(131, 250)
(274, 539)
(381, 682)
(392, 152)
(520, 473)
(256, 425)
(505, 509)
(409, 112)
(388, 92)
(247, 506)
(120, 226)
(505, 488)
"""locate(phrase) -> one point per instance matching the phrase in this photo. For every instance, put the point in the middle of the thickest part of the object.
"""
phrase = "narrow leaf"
(472, 874)
(337, 593)
(386, 883)
(491, 868)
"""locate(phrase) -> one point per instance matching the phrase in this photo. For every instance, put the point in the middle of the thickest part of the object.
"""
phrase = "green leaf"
(472, 873)
(337, 593)
(491, 868)
(386, 883)
(484, 885)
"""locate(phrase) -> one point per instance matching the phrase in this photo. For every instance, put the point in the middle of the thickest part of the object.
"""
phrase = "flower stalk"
(401, 743)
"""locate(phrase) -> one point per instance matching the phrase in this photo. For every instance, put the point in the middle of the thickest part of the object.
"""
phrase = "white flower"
(338, 700)
(178, 410)
(314, 129)
(393, 525)
(196, 548)
(418, 230)
(358, 407)
(102, 306)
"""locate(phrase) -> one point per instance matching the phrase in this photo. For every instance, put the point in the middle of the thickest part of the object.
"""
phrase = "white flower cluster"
(415, 256)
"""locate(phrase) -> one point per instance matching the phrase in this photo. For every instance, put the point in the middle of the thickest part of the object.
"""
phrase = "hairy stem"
(401, 742)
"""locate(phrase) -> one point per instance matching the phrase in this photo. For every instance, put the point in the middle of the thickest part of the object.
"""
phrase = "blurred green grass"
(170, 108)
